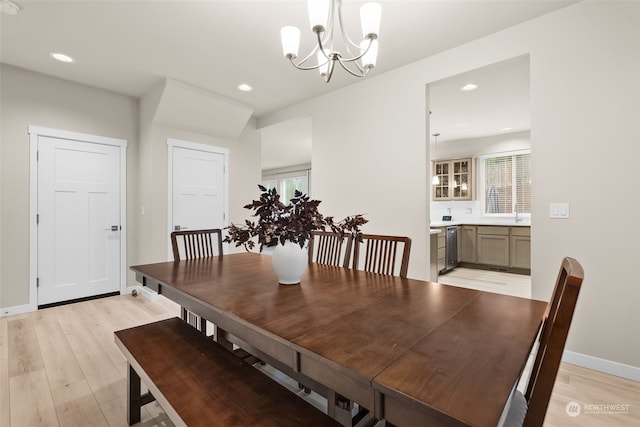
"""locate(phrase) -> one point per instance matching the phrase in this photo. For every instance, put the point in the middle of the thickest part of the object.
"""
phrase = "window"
(287, 182)
(506, 182)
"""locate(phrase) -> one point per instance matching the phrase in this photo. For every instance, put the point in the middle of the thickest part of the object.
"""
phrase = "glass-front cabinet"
(455, 179)
(441, 189)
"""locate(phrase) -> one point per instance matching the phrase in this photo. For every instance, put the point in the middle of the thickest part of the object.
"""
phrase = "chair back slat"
(326, 247)
(191, 244)
(552, 341)
(383, 254)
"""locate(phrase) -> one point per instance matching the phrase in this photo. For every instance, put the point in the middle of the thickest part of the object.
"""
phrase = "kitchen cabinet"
(468, 245)
(493, 245)
(520, 248)
(455, 179)
(433, 262)
(442, 249)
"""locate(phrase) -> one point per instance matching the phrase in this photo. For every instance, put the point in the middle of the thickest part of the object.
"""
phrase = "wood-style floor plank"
(115, 412)
(76, 405)
(102, 375)
(31, 402)
(590, 390)
(101, 323)
(5, 404)
(60, 361)
(490, 281)
(24, 351)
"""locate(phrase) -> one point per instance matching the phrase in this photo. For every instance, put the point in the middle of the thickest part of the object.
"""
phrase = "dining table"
(380, 348)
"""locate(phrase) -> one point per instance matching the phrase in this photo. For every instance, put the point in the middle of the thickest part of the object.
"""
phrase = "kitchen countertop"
(434, 231)
(503, 222)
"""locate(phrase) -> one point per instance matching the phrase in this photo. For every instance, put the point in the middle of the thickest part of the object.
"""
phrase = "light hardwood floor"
(491, 281)
(60, 367)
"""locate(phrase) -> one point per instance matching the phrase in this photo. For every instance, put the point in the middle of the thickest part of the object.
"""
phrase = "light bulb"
(318, 14)
(369, 58)
(370, 19)
(290, 41)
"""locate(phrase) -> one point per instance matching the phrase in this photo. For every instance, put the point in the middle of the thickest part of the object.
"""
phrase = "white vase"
(289, 262)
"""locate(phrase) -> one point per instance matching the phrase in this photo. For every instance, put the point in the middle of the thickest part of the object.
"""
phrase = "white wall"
(476, 147)
(369, 156)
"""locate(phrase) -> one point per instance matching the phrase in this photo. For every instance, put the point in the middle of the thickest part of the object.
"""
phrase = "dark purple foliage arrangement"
(278, 223)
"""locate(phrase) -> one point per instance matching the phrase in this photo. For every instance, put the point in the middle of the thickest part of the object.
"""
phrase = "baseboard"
(18, 309)
(146, 292)
(602, 365)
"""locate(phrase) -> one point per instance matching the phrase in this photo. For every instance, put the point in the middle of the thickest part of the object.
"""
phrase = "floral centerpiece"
(289, 225)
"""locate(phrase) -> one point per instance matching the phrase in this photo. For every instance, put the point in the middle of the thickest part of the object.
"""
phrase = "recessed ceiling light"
(468, 87)
(8, 7)
(245, 87)
(506, 129)
(62, 57)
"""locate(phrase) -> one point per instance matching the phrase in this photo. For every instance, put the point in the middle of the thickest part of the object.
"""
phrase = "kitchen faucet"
(518, 218)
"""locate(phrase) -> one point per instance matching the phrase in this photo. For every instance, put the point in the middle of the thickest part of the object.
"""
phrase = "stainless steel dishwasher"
(451, 255)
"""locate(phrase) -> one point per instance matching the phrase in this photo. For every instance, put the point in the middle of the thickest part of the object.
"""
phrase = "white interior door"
(198, 184)
(79, 228)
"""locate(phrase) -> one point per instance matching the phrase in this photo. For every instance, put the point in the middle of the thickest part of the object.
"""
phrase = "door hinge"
(37, 155)
(37, 282)
(37, 219)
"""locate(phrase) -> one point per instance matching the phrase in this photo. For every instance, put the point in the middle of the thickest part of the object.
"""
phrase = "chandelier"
(322, 14)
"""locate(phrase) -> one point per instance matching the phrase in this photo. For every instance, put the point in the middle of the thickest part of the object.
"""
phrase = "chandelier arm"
(320, 46)
(306, 58)
(345, 36)
(353, 73)
(355, 58)
(312, 67)
(329, 73)
(328, 33)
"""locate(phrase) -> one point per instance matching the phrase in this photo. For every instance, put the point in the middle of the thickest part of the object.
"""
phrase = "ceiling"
(129, 47)
(499, 104)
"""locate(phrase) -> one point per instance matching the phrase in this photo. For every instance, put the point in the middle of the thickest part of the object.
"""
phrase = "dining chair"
(529, 409)
(193, 244)
(326, 247)
(382, 254)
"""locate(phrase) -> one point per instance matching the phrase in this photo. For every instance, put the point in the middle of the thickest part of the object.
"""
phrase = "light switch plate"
(559, 210)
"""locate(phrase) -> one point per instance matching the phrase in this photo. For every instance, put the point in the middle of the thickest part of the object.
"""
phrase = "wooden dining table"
(407, 351)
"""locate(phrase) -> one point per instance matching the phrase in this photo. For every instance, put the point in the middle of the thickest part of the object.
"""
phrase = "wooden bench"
(199, 383)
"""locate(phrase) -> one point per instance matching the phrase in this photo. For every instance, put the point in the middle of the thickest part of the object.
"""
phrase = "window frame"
(281, 174)
(482, 182)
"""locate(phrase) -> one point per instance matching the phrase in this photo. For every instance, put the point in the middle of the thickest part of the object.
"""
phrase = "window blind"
(507, 182)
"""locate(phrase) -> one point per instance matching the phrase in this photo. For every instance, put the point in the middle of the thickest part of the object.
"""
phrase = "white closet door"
(79, 229)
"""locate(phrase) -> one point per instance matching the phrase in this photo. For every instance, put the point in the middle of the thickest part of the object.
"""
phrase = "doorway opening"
(480, 155)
